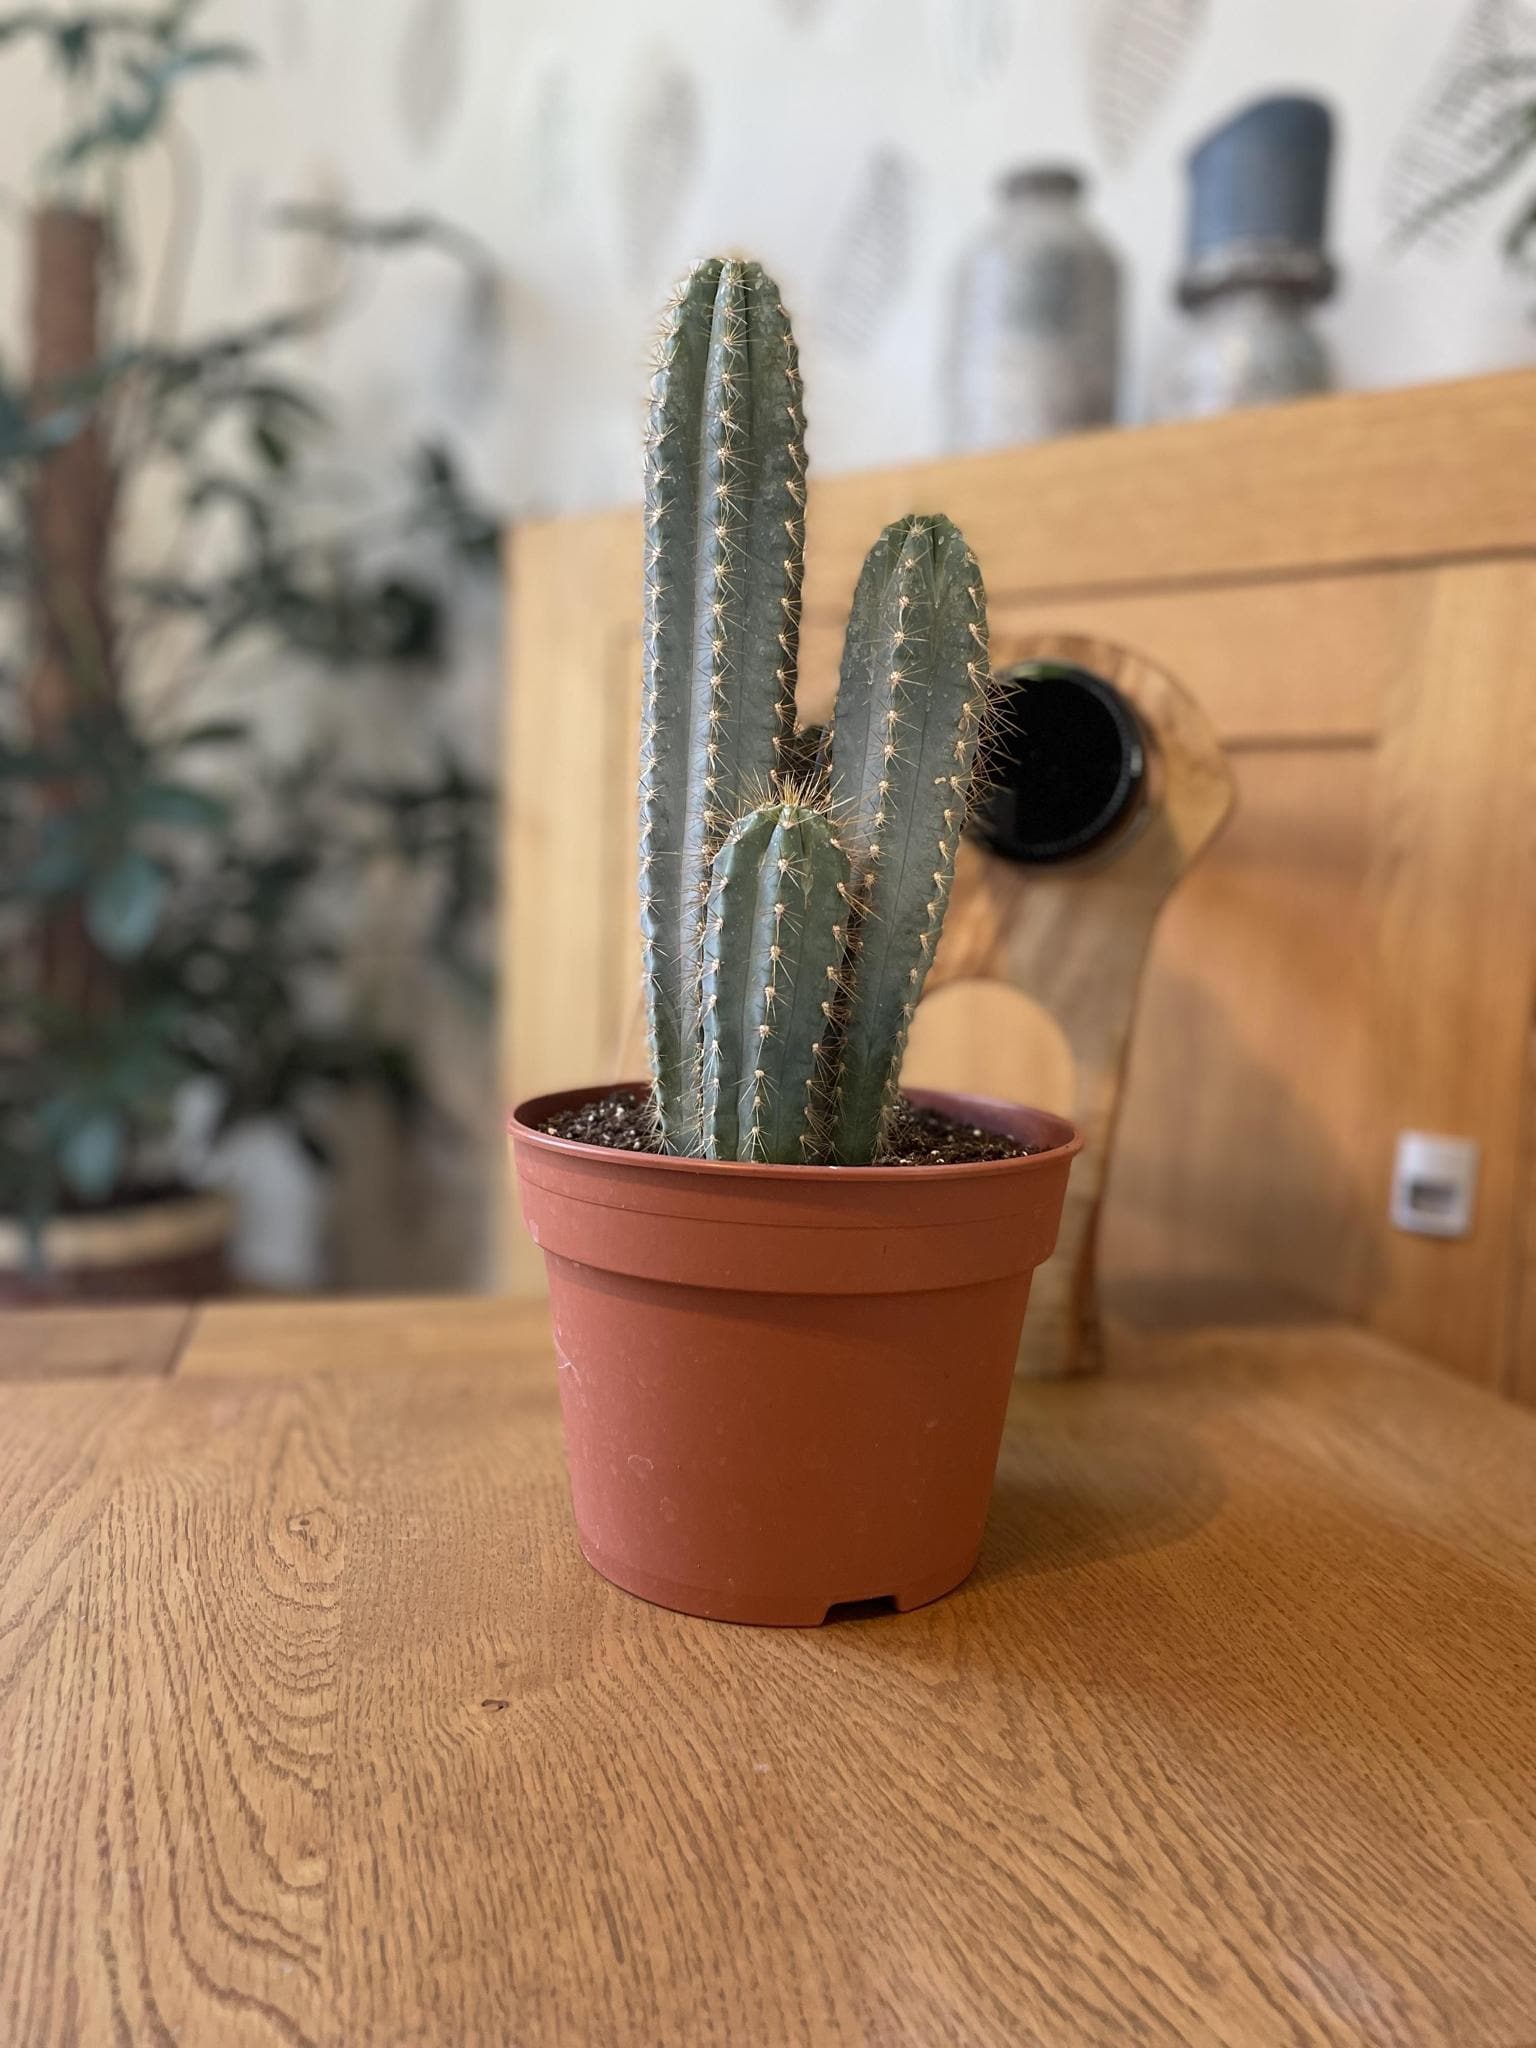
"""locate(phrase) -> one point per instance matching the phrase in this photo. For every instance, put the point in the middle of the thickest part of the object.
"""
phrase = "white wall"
(597, 145)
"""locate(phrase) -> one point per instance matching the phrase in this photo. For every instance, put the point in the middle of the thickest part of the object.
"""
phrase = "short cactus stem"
(773, 954)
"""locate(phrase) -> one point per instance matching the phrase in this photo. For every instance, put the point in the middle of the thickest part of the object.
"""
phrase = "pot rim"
(522, 1125)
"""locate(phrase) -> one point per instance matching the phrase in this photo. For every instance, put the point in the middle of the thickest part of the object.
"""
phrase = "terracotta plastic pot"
(783, 1386)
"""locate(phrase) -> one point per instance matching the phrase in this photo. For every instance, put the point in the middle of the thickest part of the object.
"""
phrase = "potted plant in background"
(176, 883)
(786, 1299)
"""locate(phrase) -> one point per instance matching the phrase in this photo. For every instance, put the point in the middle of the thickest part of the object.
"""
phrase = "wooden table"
(314, 1728)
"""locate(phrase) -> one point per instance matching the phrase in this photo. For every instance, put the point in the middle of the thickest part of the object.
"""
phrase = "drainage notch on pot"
(1066, 770)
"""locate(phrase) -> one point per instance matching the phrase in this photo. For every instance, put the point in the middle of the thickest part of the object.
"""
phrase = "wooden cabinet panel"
(1308, 658)
(1344, 482)
(1453, 892)
(1247, 1098)
(1349, 588)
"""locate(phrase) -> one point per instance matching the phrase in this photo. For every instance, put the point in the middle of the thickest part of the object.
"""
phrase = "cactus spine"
(773, 953)
(725, 535)
(910, 702)
(793, 886)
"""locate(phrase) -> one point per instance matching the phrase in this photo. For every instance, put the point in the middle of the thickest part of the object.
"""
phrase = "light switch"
(1434, 1184)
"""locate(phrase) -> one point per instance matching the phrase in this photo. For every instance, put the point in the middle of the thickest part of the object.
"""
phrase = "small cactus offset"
(773, 953)
(724, 513)
(793, 885)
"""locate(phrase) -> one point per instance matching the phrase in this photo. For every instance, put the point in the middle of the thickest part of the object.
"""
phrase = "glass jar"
(1252, 344)
(1034, 339)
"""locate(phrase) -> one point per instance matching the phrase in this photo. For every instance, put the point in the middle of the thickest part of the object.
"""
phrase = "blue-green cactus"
(724, 510)
(791, 895)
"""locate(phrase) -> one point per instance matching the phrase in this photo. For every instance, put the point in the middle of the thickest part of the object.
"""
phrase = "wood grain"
(1074, 939)
(1523, 1274)
(1346, 482)
(239, 1340)
(167, 1711)
(1249, 1112)
(1350, 481)
(1453, 978)
(68, 1343)
(314, 1729)
(570, 930)
(1301, 659)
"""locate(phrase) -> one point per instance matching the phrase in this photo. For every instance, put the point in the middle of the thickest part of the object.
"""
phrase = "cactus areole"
(785, 1365)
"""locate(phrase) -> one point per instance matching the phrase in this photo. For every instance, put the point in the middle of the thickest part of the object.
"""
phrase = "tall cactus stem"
(724, 559)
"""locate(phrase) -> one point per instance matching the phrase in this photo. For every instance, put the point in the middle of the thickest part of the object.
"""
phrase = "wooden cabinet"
(1349, 587)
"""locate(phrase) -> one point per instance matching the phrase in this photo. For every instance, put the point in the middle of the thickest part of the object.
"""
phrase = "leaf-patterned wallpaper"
(1136, 51)
(657, 166)
(1460, 124)
(869, 259)
(430, 69)
(595, 147)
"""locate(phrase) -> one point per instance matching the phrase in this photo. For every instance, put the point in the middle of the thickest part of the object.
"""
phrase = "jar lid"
(1259, 182)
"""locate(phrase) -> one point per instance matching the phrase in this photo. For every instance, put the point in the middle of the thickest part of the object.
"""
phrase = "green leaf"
(280, 395)
(314, 1147)
(407, 624)
(170, 593)
(229, 490)
(122, 910)
(203, 57)
(215, 732)
(63, 859)
(30, 765)
(330, 223)
(437, 466)
(170, 22)
(130, 120)
(173, 803)
(89, 1156)
(75, 42)
(475, 982)
(31, 21)
(24, 436)
(271, 446)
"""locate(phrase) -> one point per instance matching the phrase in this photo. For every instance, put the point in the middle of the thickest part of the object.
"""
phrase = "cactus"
(793, 885)
(909, 709)
(773, 953)
(724, 510)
